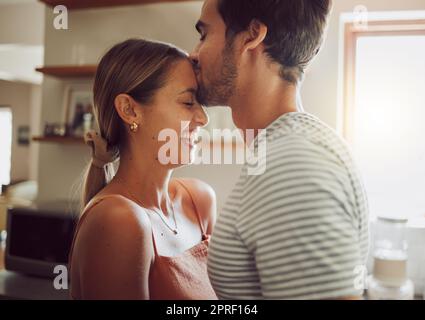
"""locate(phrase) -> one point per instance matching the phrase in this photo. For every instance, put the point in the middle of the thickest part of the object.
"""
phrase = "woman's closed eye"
(189, 104)
(188, 97)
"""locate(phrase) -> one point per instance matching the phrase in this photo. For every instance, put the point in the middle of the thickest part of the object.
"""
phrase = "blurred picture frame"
(23, 135)
(78, 109)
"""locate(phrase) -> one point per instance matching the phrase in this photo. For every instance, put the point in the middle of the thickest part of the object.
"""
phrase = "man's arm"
(297, 222)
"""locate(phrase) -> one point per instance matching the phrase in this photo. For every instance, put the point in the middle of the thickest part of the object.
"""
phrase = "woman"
(143, 235)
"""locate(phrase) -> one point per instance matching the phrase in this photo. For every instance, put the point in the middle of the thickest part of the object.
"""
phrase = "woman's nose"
(201, 116)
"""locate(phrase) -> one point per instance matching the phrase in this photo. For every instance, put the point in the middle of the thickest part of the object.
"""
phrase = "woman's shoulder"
(113, 247)
(111, 214)
(204, 198)
(199, 188)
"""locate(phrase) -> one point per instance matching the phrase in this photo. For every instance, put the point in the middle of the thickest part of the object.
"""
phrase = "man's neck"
(260, 103)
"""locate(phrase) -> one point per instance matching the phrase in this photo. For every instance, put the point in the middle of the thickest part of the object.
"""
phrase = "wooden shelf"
(69, 71)
(86, 4)
(60, 140)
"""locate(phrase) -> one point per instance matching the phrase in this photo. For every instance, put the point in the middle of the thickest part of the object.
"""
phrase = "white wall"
(22, 23)
(18, 63)
(23, 100)
(35, 115)
(21, 41)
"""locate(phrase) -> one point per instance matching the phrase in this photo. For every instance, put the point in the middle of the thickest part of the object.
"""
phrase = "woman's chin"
(187, 158)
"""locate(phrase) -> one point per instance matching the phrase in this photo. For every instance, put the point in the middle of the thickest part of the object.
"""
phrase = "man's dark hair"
(295, 29)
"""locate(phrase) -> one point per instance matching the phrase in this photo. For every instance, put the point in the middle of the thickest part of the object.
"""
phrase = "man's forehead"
(209, 8)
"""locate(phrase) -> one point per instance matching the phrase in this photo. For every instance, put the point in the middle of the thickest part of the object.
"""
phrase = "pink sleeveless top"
(182, 277)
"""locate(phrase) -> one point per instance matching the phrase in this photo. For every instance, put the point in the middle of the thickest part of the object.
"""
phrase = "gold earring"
(134, 127)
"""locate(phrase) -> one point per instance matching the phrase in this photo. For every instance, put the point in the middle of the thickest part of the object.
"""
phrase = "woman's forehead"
(182, 77)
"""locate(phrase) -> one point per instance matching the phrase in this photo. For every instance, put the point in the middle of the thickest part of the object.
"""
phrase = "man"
(300, 229)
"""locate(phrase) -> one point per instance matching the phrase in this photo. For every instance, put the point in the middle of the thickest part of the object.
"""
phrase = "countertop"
(14, 285)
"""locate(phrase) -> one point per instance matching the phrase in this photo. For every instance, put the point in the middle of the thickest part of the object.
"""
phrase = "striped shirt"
(300, 229)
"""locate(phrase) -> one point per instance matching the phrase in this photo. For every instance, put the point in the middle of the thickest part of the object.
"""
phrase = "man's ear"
(128, 110)
(255, 35)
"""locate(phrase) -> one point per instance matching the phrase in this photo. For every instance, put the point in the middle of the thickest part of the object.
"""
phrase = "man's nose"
(194, 57)
(195, 62)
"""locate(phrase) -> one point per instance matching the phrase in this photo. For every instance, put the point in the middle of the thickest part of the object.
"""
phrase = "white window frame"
(351, 32)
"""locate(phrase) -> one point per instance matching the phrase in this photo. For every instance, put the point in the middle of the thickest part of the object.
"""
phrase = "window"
(5, 144)
(385, 114)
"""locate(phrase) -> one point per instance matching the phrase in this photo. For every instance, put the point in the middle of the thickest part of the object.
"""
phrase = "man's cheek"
(206, 54)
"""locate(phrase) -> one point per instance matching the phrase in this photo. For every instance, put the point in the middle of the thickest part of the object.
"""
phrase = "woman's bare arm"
(115, 252)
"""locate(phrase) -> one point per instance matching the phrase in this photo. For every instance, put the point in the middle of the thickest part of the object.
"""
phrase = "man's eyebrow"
(200, 26)
(190, 90)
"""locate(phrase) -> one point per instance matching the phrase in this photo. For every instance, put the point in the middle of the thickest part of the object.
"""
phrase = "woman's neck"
(145, 179)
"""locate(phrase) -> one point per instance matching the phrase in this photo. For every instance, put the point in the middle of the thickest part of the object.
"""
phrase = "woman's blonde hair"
(135, 67)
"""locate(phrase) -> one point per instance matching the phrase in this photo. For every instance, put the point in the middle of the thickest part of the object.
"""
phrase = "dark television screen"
(47, 238)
